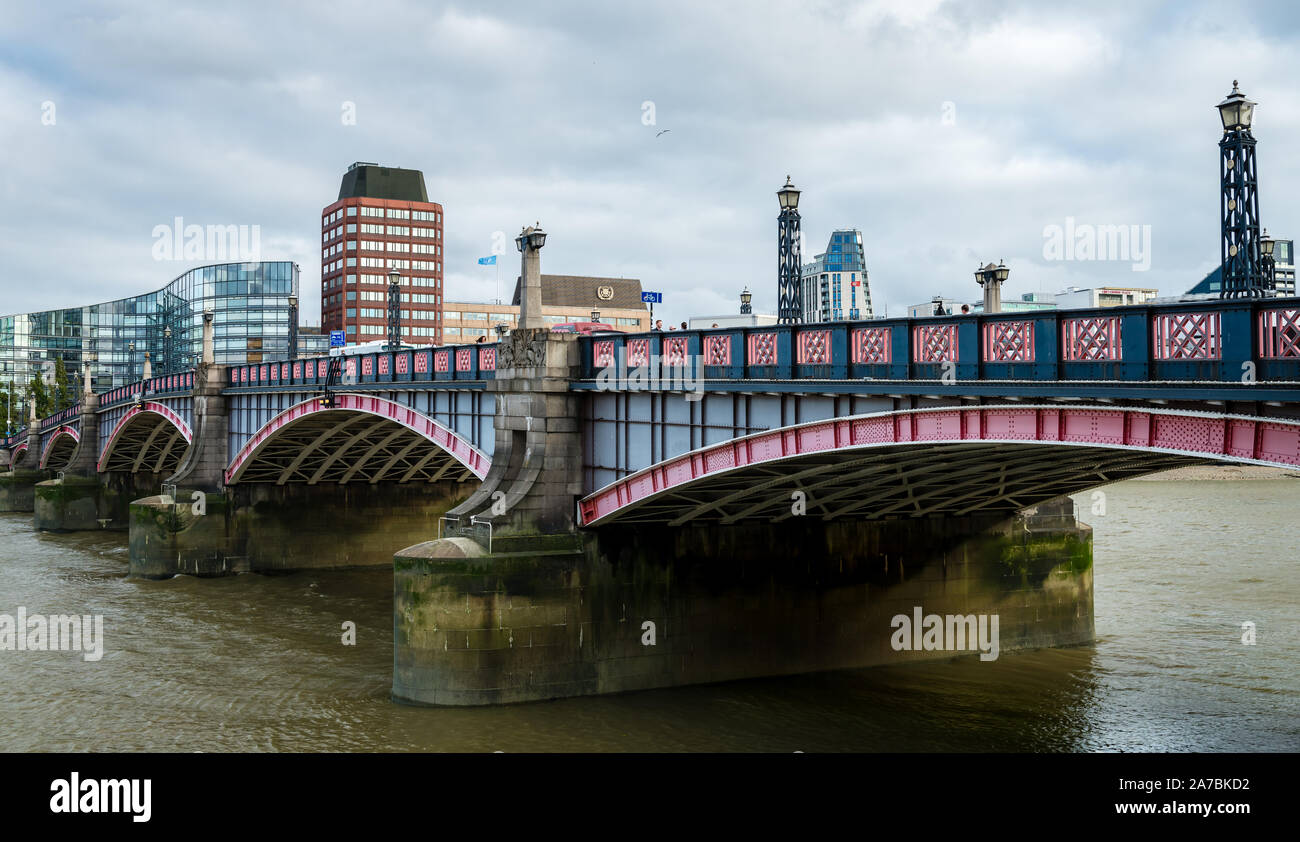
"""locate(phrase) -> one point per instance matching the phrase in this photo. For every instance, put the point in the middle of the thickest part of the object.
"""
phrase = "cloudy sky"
(950, 133)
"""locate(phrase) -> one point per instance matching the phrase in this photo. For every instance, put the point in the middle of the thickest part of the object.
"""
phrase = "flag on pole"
(488, 261)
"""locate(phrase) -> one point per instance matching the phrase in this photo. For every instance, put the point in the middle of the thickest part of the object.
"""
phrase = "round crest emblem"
(605, 292)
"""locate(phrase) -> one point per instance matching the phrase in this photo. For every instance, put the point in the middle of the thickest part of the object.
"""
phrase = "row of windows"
(393, 231)
(371, 313)
(336, 281)
(392, 213)
(377, 245)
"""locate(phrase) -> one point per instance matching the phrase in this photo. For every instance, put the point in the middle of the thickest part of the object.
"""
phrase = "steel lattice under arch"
(60, 447)
(915, 463)
(359, 439)
(149, 437)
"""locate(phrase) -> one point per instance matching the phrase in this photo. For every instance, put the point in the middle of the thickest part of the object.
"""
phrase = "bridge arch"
(361, 438)
(18, 456)
(919, 462)
(150, 437)
(60, 447)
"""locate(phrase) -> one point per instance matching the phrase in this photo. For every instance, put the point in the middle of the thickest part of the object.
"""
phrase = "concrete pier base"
(636, 608)
(272, 528)
(77, 503)
(18, 490)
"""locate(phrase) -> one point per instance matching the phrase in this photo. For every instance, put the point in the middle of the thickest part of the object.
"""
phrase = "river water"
(256, 663)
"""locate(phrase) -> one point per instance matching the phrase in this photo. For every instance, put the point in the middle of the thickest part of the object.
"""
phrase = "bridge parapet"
(69, 415)
(445, 364)
(167, 385)
(1224, 341)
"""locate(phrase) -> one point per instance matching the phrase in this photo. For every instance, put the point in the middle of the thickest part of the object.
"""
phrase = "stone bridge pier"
(18, 483)
(293, 507)
(519, 603)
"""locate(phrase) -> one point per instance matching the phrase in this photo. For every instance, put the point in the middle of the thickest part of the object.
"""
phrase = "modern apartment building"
(382, 220)
(833, 287)
(250, 305)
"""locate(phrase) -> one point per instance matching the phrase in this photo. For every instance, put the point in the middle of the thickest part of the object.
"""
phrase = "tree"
(38, 396)
(62, 394)
(11, 419)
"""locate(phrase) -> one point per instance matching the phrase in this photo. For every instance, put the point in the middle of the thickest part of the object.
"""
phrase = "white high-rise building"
(833, 287)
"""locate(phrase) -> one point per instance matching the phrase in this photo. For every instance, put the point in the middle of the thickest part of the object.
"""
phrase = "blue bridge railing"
(1226, 341)
(425, 365)
(72, 413)
(167, 384)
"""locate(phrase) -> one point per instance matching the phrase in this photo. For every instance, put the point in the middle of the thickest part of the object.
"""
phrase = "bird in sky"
(665, 131)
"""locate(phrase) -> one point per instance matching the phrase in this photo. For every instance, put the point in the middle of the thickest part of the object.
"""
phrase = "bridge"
(763, 498)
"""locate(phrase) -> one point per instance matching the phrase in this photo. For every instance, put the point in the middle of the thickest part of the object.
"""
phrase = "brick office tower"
(383, 219)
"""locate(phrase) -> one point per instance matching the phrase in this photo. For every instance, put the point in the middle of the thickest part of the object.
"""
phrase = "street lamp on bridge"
(745, 297)
(1267, 265)
(789, 309)
(1243, 275)
(530, 242)
(293, 327)
(991, 278)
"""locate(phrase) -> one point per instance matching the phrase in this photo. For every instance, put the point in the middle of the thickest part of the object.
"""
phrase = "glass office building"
(250, 305)
(1284, 285)
(834, 286)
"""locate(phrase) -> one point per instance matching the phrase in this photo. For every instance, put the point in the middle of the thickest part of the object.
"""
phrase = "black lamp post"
(293, 327)
(745, 297)
(595, 314)
(394, 310)
(1267, 265)
(167, 361)
(130, 361)
(1243, 276)
(789, 309)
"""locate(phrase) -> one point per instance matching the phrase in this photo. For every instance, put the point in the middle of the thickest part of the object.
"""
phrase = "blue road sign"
(336, 339)
(652, 298)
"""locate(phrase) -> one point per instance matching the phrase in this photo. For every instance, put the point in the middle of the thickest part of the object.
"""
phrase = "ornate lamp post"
(394, 310)
(293, 327)
(168, 363)
(130, 361)
(1267, 265)
(789, 308)
(1238, 200)
(530, 242)
(745, 297)
(991, 278)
